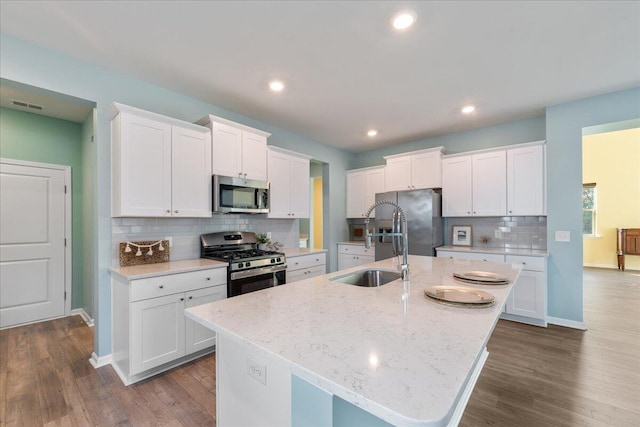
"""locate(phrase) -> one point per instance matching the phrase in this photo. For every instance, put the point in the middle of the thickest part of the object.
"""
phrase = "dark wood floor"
(534, 376)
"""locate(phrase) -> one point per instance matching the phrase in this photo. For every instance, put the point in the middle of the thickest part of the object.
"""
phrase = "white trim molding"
(85, 316)
(100, 361)
(559, 321)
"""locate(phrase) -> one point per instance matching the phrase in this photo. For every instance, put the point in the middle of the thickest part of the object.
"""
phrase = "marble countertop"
(389, 350)
(293, 252)
(502, 251)
(164, 268)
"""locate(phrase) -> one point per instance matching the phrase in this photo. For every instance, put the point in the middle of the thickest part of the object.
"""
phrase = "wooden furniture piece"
(628, 244)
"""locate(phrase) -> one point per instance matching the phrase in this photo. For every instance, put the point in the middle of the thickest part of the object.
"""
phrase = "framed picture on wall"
(461, 235)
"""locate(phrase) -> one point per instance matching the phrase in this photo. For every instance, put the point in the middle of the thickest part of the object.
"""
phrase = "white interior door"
(32, 243)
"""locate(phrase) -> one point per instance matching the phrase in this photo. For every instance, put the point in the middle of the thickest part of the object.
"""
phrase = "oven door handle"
(258, 271)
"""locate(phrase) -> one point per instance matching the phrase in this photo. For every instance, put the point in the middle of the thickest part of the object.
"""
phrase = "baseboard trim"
(100, 361)
(85, 316)
(559, 321)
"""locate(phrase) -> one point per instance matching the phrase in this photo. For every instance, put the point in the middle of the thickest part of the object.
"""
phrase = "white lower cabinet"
(306, 266)
(150, 331)
(354, 255)
(527, 302)
(529, 296)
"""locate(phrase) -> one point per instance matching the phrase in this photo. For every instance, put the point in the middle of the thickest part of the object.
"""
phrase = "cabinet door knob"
(161, 286)
(245, 175)
(191, 297)
(208, 278)
(176, 211)
(510, 211)
(468, 212)
(168, 210)
(474, 212)
(182, 299)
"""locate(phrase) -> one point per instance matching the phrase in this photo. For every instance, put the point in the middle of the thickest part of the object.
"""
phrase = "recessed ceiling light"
(468, 109)
(403, 20)
(276, 85)
(372, 133)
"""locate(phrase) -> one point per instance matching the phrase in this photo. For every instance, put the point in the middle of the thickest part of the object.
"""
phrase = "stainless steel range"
(250, 269)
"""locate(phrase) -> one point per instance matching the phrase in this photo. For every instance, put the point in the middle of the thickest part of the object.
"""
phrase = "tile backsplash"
(185, 232)
(521, 232)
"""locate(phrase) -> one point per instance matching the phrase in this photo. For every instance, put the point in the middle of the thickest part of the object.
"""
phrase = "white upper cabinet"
(525, 181)
(160, 165)
(497, 182)
(362, 186)
(237, 150)
(414, 170)
(457, 186)
(288, 175)
(474, 185)
(489, 183)
(190, 173)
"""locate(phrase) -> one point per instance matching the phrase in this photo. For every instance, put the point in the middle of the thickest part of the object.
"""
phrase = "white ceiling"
(346, 71)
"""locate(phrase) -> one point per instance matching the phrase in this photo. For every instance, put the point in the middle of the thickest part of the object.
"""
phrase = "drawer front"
(153, 287)
(356, 250)
(306, 261)
(305, 273)
(487, 257)
(454, 255)
(530, 263)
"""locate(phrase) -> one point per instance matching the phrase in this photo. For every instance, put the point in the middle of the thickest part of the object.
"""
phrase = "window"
(589, 205)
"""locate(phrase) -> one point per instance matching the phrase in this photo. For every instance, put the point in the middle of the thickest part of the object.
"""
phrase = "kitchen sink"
(369, 278)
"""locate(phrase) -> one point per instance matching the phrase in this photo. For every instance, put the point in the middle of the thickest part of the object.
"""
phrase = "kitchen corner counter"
(497, 251)
(164, 268)
(389, 351)
(294, 252)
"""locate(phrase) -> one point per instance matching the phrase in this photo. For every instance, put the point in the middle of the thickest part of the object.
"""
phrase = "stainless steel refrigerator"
(423, 210)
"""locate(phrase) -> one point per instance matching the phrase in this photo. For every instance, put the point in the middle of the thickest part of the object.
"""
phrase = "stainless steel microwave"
(239, 195)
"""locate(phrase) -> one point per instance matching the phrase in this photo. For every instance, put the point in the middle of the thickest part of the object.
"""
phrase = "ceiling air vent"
(26, 105)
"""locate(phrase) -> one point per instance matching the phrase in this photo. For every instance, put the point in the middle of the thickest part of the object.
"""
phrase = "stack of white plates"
(480, 278)
(460, 296)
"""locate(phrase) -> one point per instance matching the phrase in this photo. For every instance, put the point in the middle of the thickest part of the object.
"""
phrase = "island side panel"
(310, 405)
(252, 389)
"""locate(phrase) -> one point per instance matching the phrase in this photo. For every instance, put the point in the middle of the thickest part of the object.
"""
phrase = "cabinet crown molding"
(489, 150)
(369, 168)
(410, 153)
(289, 152)
(206, 120)
(117, 108)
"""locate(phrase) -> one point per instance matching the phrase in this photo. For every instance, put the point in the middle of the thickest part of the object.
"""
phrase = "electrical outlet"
(257, 370)
(563, 236)
(170, 240)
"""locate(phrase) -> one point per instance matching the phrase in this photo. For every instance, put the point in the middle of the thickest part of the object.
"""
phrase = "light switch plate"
(563, 236)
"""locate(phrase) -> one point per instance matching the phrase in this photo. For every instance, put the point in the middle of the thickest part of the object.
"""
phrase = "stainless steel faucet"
(399, 230)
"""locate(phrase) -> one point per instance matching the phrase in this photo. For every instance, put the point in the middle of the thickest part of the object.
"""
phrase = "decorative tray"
(481, 278)
(460, 296)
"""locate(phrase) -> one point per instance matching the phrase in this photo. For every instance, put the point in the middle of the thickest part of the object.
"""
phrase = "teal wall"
(30, 64)
(35, 138)
(565, 125)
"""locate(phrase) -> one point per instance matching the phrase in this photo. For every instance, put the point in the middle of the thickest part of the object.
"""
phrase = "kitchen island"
(320, 352)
